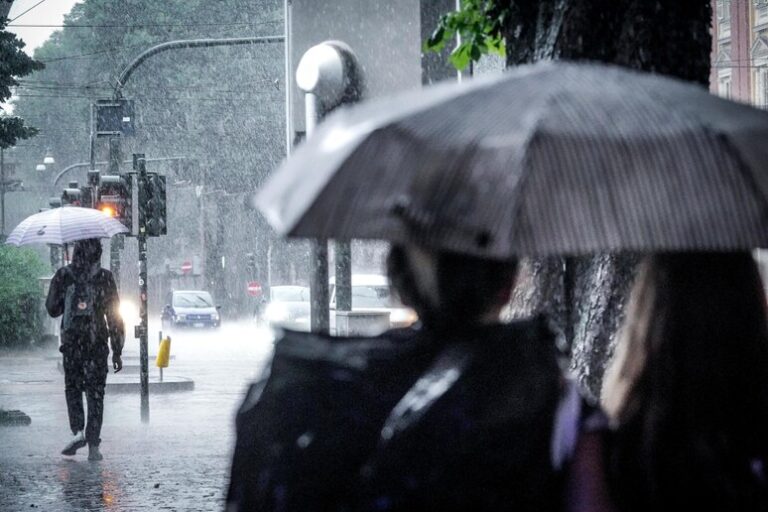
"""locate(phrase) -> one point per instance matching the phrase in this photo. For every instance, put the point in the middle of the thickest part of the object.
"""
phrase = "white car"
(371, 292)
(288, 307)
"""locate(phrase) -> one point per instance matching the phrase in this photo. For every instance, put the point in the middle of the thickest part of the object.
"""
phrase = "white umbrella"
(64, 225)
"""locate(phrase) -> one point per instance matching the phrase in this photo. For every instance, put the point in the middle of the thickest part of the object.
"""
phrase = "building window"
(760, 97)
(724, 10)
(723, 19)
(724, 85)
(761, 12)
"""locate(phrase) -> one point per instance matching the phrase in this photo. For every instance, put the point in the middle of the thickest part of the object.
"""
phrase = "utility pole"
(221, 285)
(140, 165)
(330, 76)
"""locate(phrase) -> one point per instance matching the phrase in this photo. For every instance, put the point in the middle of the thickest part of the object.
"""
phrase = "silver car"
(372, 293)
(288, 307)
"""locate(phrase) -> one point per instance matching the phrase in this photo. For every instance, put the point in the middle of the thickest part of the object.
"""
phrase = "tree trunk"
(585, 296)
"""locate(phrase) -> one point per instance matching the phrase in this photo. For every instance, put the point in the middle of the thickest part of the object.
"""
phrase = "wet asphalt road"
(179, 461)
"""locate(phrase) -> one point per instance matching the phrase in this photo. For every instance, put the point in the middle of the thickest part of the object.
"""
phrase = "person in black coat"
(86, 297)
(459, 413)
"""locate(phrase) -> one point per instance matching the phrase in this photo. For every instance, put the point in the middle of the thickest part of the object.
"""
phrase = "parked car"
(190, 308)
(371, 292)
(288, 307)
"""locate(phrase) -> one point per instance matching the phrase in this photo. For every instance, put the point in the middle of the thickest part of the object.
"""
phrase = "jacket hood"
(87, 255)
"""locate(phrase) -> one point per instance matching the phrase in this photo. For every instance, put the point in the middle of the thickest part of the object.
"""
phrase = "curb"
(14, 419)
(127, 367)
(169, 385)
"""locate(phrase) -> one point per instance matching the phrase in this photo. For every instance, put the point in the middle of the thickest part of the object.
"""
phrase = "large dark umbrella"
(553, 158)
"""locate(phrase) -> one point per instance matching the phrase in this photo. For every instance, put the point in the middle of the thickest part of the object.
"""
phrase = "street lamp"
(329, 75)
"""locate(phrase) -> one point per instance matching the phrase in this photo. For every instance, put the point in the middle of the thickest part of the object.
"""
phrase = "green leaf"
(436, 42)
(479, 22)
(461, 56)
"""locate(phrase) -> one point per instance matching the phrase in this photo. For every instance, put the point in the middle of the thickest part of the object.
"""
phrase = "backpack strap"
(567, 423)
(574, 416)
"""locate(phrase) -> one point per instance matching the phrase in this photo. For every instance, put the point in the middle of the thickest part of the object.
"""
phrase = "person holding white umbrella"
(85, 296)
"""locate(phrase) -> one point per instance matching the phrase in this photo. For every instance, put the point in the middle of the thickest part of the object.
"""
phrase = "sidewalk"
(179, 461)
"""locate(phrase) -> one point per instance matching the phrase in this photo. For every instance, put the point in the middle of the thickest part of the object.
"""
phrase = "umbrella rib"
(517, 203)
(741, 166)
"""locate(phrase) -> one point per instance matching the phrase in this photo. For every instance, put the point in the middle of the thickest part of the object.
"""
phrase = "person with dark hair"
(687, 391)
(461, 412)
(85, 295)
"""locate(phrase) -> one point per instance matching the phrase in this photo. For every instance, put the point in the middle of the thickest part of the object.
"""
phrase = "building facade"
(740, 62)
(740, 50)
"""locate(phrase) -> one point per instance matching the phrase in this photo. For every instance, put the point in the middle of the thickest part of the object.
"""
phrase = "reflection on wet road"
(180, 461)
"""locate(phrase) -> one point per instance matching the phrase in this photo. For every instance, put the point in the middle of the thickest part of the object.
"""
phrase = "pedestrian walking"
(687, 392)
(462, 412)
(85, 295)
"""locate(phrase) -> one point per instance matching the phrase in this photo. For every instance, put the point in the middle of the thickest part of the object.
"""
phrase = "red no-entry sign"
(254, 288)
(186, 267)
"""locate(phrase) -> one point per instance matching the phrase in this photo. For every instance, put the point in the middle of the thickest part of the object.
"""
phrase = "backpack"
(403, 423)
(79, 305)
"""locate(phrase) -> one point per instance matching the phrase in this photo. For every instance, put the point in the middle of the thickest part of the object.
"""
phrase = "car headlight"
(128, 312)
(403, 316)
(215, 316)
(276, 312)
(180, 317)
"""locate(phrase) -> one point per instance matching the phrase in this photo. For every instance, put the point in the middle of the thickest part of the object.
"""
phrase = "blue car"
(192, 309)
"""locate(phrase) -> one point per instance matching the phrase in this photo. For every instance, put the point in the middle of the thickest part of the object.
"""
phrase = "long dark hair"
(449, 291)
(688, 389)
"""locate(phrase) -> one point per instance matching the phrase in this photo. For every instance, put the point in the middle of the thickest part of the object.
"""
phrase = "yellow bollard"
(163, 353)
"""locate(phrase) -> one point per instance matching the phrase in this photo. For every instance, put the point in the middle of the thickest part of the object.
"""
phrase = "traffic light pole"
(115, 245)
(117, 241)
(143, 328)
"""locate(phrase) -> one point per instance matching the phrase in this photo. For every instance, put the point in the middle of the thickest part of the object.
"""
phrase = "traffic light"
(251, 264)
(86, 197)
(116, 198)
(154, 205)
(72, 197)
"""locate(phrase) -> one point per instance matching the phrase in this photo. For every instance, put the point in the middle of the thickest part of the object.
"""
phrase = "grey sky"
(50, 12)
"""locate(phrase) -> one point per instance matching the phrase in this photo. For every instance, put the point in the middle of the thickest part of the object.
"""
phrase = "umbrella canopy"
(552, 158)
(64, 225)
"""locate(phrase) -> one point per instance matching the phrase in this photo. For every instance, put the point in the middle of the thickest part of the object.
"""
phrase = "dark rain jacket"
(402, 422)
(108, 325)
